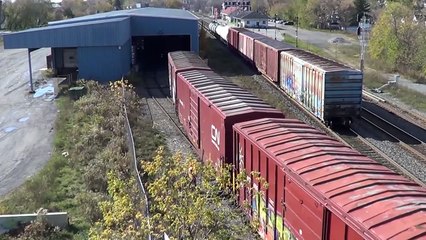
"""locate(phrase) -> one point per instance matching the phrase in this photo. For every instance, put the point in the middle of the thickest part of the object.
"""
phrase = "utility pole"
(362, 35)
(297, 30)
(275, 20)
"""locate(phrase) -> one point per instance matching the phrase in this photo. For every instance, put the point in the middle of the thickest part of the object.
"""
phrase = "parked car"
(334, 26)
(288, 23)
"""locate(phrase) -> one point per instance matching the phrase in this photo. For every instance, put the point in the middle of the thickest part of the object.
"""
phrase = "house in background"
(226, 14)
(251, 19)
(242, 4)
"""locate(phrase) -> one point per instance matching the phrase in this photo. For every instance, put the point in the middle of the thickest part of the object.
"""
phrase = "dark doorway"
(151, 51)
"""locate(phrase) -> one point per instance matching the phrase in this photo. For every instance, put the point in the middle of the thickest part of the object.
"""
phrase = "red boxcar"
(246, 43)
(322, 189)
(267, 57)
(233, 37)
(182, 61)
(208, 107)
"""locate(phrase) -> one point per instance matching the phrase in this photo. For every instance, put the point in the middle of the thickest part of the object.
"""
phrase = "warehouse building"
(106, 46)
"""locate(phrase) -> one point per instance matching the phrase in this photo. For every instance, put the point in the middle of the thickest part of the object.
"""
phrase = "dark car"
(288, 23)
(334, 26)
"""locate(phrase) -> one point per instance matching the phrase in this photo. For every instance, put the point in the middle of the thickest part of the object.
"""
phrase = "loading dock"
(107, 46)
(151, 51)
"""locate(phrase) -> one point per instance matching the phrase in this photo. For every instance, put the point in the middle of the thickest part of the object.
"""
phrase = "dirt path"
(26, 122)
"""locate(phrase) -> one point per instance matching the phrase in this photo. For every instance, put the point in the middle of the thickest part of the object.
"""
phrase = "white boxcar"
(222, 31)
(329, 90)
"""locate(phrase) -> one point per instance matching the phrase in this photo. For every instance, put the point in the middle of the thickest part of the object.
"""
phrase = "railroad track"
(396, 134)
(161, 101)
(351, 138)
(362, 145)
(389, 106)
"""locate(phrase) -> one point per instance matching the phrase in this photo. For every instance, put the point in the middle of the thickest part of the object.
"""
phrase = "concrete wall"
(9, 222)
(104, 63)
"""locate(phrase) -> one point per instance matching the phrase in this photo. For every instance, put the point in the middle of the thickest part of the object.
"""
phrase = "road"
(26, 122)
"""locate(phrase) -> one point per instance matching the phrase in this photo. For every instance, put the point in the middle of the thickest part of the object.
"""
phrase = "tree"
(398, 41)
(190, 199)
(23, 14)
(259, 5)
(75, 8)
(361, 7)
(2, 16)
(118, 5)
(174, 4)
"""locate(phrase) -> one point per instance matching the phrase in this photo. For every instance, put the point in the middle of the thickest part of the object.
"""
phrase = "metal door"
(194, 123)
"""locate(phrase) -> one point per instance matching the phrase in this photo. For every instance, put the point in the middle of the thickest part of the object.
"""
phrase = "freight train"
(330, 91)
(318, 188)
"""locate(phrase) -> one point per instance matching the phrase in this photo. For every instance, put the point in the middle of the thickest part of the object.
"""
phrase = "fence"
(131, 145)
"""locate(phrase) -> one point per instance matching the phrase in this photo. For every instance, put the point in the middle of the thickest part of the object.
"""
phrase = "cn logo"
(215, 137)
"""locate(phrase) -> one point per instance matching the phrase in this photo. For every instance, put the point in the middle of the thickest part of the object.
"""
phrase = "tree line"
(23, 14)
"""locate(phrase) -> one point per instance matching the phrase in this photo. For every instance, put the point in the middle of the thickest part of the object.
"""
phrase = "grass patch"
(56, 186)
(409, 97)
(374, 79)
(224, 62)
(304, 45)
(91, 132)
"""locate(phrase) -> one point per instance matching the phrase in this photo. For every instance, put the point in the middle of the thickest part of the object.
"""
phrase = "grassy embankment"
(89, 142)
(349, 54)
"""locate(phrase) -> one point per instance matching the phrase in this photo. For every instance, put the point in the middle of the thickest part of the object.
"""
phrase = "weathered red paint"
(267, 56)
(208, 107)
(326, 190)
(233, 37)
(182, 61)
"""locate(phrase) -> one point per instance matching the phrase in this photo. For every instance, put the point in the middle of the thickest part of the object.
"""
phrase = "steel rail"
(405, 145)
(390, 160)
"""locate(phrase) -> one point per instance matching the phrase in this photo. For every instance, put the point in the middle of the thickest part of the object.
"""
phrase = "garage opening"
(65, 62)
(151, 51)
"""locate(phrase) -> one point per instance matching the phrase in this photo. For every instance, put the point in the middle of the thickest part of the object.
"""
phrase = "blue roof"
(141, 12)
(108, 32)
(106, 29)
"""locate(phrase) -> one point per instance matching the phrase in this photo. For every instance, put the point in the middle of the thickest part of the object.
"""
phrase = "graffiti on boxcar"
(268, 220)
(289, 85)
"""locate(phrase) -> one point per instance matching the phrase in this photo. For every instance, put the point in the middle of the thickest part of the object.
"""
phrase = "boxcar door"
(298, 79)
(194, 120)
(281, 231)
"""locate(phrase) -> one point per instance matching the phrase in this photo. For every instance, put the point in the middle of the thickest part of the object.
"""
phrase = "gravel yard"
(26, 122)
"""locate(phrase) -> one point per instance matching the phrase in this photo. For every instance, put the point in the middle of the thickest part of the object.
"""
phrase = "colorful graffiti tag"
(271, 226)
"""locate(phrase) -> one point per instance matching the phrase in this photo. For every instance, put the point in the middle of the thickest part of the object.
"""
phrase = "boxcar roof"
(187, 60)
(229, 98)
(249, 33)
(264, 39)
(276, 44)
(379, 202)
(326, 64)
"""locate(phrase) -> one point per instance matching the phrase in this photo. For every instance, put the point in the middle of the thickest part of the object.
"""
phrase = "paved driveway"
(26, 122)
